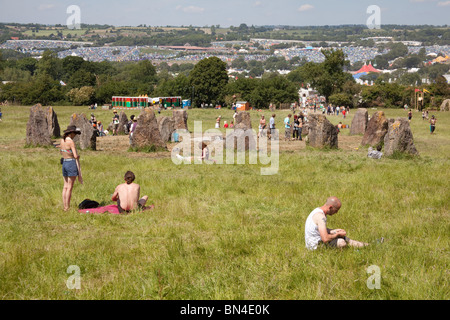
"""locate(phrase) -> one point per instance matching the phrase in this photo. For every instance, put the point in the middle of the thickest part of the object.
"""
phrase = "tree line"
(74, 81)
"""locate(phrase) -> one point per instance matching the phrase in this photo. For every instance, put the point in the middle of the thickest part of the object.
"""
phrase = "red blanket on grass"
(109, 209)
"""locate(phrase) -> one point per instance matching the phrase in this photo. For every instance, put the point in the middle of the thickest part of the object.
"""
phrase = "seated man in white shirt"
(316, 231)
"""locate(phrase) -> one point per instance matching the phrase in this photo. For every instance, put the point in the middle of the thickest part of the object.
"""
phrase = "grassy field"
(224, 231)
(65, 32)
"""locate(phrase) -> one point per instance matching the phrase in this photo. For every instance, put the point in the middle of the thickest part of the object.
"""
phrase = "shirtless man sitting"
(316, 230)
(127, 195)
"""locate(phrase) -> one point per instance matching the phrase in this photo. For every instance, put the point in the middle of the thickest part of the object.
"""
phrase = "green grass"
(224, 231)
(65, 32)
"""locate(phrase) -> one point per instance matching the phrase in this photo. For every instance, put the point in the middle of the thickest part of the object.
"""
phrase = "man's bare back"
(127, 194)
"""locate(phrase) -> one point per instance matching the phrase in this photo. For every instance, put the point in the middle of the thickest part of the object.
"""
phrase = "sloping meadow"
(224, 231)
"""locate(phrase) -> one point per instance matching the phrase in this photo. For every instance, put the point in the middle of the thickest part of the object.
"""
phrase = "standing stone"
(180, 119)
(243, 136)
(399, 138)
(88, 137)
(147, 133)
(166, 127)
(359, 122)
(123, 120)
(37, 127)
(243, 121)
(53, 124)
(321, 132)
(445, 106)
(377, 128)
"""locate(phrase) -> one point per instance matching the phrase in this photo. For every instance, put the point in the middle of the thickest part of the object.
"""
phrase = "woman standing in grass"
(70, 164)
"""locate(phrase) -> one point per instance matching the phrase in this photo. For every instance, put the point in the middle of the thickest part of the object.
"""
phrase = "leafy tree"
(70, 65)
(388, 95)
(239, 63)
(111, 88)
(81, 96)
(50, 64)
(81, 78)
(178, 86)
(410, 79)
(327, 77)
(27, 64)
(341, 99)
(144, 72)
(209, 77)
(14, 74)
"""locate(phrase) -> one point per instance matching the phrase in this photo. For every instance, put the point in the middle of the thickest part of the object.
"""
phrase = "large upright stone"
(321, 132)
(166, 128)
(445, 106)
(88, 137)
(359, 122)
(180, 119)
(399, 138)
(147, 133)
(123, 120)
(377, 128)
(243, 138)
(53, 124)
(37, 127)
(243, 121)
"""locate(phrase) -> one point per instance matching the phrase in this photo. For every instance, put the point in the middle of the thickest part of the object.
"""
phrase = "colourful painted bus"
(129, 102)
(166, 102)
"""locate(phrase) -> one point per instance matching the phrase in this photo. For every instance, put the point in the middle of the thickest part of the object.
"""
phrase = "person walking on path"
(432, 124)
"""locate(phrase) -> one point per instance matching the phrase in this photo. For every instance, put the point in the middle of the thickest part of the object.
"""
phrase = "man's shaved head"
(333, 201)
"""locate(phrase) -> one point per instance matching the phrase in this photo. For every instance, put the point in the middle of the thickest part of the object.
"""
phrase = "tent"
(359, 75)
(367, 68)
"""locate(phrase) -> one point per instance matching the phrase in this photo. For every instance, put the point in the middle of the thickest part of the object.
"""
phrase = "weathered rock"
(445, 106)
(180, 119)
(243, 121)
(399, 138)
(243, 138)
(53, 124)
(123, 120)
(88, 137)
(147, 133)
(321, 132)
(377, 128)
(37, 127)
(166, 127)
(359, 122)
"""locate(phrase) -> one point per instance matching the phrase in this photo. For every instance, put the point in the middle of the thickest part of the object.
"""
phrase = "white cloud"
(191, 9)
(443, 4)
(305, 7)
(257, 4)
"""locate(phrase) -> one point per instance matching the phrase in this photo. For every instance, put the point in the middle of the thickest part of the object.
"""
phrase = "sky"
(200, 13)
